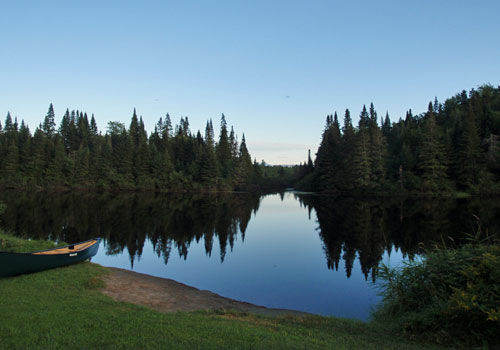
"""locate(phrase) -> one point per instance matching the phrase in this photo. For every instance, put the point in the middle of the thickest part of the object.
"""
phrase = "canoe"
(12, 264)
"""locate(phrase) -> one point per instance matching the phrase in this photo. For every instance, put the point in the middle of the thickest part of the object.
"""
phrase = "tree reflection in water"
(350, 228)
(368, 227)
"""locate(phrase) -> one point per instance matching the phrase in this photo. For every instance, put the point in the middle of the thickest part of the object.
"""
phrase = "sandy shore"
(167, 295)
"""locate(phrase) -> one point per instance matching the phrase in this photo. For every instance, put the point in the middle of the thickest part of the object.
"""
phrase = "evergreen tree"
(93, 127)
(55, 172)
(234, 145)
(24, 148)
(11, 164)
(328, 169)
(244, 171)
(223, 150)
(432, 156)
(361, 161)
(470, 155)
(9, 126)
(377, 151)
(49, 125)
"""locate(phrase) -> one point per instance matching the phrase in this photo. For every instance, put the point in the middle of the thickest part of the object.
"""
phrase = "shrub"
(452, 294)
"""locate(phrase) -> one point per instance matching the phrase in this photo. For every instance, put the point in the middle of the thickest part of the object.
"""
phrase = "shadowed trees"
(78, 155)
(454, 146)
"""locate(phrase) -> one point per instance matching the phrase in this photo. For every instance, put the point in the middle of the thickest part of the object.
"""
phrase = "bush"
(451, 294)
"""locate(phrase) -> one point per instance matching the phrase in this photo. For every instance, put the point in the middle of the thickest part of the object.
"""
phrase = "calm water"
(302, 252)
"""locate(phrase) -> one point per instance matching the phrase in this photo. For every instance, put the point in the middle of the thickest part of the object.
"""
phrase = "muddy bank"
(167, 295)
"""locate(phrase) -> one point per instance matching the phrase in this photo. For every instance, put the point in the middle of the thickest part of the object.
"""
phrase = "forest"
(77, 155)
(451, 148)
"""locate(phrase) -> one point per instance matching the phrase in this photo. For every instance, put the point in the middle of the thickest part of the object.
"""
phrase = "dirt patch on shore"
(167, 295)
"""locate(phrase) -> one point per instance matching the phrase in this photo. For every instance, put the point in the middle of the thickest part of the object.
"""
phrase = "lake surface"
(290, 250)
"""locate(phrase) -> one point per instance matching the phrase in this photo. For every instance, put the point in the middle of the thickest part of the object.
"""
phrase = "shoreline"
(167, 295)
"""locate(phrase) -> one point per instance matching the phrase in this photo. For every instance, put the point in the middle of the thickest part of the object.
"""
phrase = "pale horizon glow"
(275, 69)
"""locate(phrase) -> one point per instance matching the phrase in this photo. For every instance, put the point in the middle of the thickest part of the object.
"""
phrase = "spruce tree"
(49, 125)
(377, 151)
(11, 164)
(244, 170)
(93, 127)
(361, 154)
(432, 162)
(9, 126)
(348, 146)
(470, 154)
(223, 150)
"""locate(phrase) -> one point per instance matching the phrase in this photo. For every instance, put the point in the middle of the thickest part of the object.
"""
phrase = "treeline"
(77, 155)
(454, 146)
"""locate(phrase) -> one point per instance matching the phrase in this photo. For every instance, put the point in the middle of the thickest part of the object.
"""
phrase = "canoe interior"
(68, 249)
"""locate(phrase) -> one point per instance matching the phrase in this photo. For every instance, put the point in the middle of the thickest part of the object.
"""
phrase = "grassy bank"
(63, 308)
(451, 295)
(10, 243)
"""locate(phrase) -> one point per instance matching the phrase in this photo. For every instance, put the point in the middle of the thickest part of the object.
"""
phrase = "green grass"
(64, 309)
(9, 243)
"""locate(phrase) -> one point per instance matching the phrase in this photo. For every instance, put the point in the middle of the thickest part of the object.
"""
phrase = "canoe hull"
(12, 264)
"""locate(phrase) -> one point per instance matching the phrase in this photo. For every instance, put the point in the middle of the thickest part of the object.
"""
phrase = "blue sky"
(274, 68)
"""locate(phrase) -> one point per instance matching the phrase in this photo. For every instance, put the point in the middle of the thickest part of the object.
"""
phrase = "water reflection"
(350, 229)
(126, 221)
(367, 228)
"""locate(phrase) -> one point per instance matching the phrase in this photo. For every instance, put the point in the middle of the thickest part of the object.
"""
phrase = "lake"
(290, 250)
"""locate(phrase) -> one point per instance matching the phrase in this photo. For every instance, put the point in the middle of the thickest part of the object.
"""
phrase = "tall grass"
(9, 243)
(451, 294)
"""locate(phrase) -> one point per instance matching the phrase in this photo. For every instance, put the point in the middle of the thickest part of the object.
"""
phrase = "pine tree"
(361, 161)
(432, 162)
(64, 129)
(167, 128)
(11, 164)
(24, 142)
(386, 126)
(328, 169)
(54, 174)
(93, 127)
(234, 145)
(244, 171)
(223, 150)
(470, 154)
(49, 125)
(377, 151)
(348, 147)
(9, 126)
(361, 156)
(37, 167)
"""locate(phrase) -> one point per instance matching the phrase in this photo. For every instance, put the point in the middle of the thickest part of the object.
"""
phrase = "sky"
(276, 69)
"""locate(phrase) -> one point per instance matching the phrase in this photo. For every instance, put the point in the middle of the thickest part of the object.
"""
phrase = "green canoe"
(12, 264)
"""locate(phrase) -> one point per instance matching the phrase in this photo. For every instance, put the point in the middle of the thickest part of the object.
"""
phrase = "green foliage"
(455, 145)
(450, 294)
(9, 243)
(77, 155)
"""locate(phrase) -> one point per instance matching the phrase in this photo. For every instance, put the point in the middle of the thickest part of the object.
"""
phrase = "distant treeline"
(454, 146)
(77, 155)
